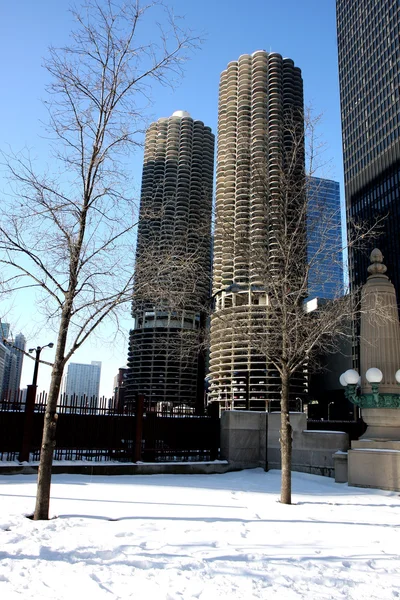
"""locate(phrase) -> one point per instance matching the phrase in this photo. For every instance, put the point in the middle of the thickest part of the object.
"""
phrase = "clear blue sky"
(303, 30)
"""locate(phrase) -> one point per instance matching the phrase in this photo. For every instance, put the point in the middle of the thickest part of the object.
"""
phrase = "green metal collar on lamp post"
(351, 380)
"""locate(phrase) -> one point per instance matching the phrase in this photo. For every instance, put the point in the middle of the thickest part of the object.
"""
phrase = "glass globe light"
(342, 380)
(397, 375)
(351, 377)
(374, 375)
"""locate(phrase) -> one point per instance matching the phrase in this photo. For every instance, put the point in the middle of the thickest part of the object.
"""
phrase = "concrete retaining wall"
(245, 436)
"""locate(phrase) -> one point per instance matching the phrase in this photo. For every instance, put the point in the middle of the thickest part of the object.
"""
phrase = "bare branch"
(70, 233)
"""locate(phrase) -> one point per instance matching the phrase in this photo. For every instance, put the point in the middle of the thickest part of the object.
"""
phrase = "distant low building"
(119, 388)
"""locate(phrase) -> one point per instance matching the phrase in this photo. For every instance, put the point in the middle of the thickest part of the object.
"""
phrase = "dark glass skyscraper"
(369, 73)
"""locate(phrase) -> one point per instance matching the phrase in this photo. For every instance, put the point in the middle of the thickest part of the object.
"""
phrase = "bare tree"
(294, 257)
(68, 233)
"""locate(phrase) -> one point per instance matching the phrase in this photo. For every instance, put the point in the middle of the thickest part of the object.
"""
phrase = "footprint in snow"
(346, 563)
(150, 546)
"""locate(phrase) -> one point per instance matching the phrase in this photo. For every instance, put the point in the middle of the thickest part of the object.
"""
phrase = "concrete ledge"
(325, 440)
(98, 468)
(375, 444)
(242, 419)
(303, 461)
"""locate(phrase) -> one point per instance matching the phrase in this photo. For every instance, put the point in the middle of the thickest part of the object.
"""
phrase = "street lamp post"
(329, 410)
(201, 366)
(247, 380)
(30, 405)
(37, 351)
(380, 410)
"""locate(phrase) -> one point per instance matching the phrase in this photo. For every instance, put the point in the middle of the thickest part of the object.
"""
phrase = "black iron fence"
(66, 404)
(94, 429)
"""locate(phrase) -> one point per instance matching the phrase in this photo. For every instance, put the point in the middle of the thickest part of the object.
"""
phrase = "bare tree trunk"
(50, 424)
(286, 441)
(47, 449)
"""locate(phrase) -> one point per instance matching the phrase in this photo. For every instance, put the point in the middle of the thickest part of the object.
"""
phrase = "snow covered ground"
(199, 537)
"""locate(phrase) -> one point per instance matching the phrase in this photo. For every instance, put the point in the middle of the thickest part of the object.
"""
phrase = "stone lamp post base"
(383, 424)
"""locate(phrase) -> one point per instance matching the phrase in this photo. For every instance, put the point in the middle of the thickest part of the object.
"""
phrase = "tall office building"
(10, 371)
(5, 330)
(19, 344)
(83, 380)
(5, 355)
(173, 261)
(368, 33)
(13, 357)
(260, 120)
(324, 239)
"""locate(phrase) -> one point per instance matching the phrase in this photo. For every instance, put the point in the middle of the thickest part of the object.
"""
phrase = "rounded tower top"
(181, 114)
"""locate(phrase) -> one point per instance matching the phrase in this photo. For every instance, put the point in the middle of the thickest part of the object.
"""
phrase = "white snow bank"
(186, 537)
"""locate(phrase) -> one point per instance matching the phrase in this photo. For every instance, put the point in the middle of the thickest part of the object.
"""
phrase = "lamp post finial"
(376, 267)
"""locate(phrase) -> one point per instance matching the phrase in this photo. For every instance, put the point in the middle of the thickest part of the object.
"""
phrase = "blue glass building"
(324, 239)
